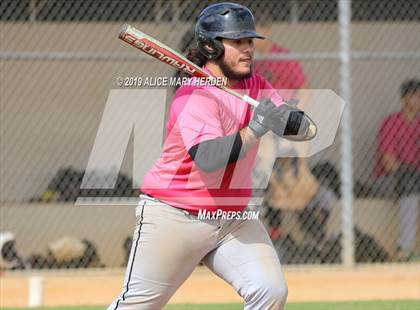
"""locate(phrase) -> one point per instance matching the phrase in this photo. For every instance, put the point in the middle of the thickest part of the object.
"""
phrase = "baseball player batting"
(206, 165)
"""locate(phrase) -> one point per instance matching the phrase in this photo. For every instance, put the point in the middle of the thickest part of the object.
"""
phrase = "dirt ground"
(81, 287)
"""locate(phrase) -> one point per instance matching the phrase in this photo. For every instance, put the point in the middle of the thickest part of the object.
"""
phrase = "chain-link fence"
(60, 59)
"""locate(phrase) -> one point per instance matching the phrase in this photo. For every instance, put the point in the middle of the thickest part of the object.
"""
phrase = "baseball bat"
(165, 54)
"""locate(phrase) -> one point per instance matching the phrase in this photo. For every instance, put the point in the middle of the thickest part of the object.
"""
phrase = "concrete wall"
(36, 225)
(51, 109)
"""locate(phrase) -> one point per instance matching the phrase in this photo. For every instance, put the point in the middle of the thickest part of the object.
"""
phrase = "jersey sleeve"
(199, 119)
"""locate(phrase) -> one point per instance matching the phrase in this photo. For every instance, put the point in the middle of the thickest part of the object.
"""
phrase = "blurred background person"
(293, 188)
(397, 170)
(286, 75)
(291, 184)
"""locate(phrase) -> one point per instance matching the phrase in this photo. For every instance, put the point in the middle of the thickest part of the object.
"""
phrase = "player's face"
(412, 103)
(236, 62)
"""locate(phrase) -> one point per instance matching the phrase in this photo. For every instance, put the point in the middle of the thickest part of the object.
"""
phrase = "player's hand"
(288, 121)
(260, 122)
(285, 121)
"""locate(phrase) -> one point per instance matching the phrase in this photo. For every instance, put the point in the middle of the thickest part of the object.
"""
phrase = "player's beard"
(230, 74)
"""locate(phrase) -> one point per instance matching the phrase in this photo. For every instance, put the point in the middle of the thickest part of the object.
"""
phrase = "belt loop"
(144, 196)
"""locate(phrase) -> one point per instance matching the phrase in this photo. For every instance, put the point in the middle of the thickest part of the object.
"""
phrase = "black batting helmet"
(223, 20)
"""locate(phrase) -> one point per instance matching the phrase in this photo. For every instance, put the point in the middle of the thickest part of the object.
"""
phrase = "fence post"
(344, 17)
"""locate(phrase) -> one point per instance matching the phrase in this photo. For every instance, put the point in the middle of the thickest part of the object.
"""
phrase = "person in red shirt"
(398, 162)
(287, 76)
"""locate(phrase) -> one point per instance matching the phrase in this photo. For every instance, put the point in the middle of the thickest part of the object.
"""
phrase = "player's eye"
(248, 41)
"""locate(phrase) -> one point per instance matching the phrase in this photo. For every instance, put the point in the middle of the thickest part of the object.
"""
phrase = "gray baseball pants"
(169, 243)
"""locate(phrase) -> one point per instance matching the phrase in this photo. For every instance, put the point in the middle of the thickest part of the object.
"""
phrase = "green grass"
(359, 305)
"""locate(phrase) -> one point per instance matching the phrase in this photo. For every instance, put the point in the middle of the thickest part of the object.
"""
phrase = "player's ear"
(209, 48)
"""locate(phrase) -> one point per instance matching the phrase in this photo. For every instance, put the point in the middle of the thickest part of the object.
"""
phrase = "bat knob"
(312, 131)
(123, 30)
(307, 135)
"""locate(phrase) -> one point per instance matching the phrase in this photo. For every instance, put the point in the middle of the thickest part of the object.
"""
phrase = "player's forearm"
(390, 163)
(216, 154)
(248, 139)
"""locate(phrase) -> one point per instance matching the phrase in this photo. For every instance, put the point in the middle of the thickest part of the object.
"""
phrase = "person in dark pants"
(398, 164)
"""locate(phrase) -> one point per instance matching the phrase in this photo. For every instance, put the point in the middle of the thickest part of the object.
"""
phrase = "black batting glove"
(288, 121)
(284, 121)
(260, 122)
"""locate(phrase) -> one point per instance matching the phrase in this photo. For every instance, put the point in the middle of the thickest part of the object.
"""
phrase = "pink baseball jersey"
(199, 114)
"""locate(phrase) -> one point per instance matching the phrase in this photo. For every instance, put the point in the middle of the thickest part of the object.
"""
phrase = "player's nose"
(249, 45)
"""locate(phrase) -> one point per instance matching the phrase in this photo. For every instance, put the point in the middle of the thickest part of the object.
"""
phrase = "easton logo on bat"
(147, 48)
